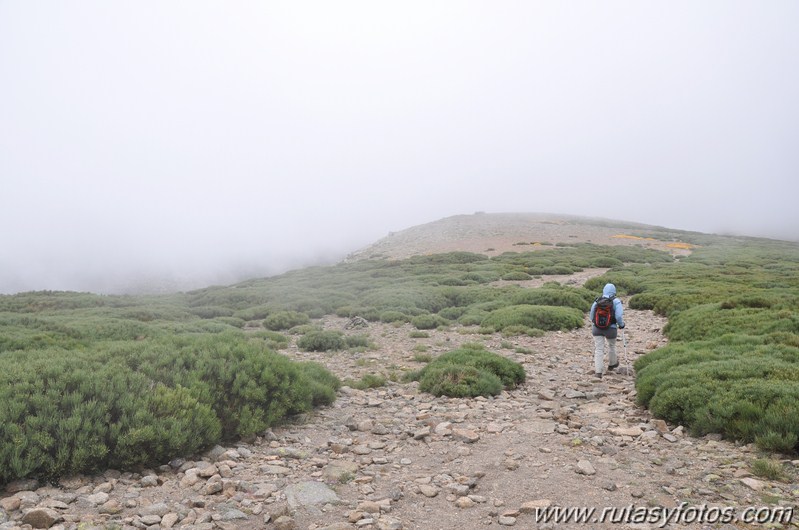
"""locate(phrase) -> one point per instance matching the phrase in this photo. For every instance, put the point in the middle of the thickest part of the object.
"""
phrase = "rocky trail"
(393, 458)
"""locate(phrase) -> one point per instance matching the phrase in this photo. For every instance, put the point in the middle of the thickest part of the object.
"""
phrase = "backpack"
(604, 315)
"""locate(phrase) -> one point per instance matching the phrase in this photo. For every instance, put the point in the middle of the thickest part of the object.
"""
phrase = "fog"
(172, 145)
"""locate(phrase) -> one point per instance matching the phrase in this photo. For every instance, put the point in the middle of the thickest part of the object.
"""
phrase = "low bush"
(394, 316)
(321, 340)
(548, 318)
(428, 321)
(358, 341)
(468, 372)
(133, 404)
(459, 381)
(281, 320)
(565, 297)
(516, 276)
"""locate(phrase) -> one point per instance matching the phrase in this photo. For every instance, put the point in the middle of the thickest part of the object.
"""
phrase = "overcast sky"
(207, 141)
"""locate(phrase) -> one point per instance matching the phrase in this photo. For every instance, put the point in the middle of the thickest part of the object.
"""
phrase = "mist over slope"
(490, 234)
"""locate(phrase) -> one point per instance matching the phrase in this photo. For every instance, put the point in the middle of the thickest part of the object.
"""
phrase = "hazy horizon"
(185, 144)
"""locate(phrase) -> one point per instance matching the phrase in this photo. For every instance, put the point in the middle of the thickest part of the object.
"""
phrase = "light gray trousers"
(600, 335)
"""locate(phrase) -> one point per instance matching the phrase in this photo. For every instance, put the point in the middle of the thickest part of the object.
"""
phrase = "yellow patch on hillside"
(684, 246)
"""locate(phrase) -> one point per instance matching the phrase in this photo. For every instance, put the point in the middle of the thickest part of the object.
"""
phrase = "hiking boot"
(598, 375)
(613, 366)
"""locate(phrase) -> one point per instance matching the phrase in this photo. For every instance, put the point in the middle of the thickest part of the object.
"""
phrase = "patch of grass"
(419, 335)
(422, 357)
(524, 351)
(420, 348)
(768, 468)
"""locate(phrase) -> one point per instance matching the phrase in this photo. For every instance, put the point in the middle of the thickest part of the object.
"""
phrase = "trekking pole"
(626, 359)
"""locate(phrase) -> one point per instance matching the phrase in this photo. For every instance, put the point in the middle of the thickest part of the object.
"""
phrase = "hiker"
(607, 317)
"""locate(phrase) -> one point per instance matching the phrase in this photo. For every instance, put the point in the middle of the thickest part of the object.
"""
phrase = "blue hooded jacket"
(618, 310)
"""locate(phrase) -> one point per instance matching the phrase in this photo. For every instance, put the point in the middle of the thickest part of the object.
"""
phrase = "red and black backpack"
(604, 315)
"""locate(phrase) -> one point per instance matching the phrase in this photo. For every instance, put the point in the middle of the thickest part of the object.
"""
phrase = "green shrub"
(281, 320)
(394, 316)
(605, 262)
(321, 341)
(428, 321)
(212, 312)
(553, 297)
(323, 384)
(459, 381)
(768, 468)
(452, 313)
(358, 341)
(272, 337)
(468, 372)
(516, 276)
(548, 318)
(419, 335)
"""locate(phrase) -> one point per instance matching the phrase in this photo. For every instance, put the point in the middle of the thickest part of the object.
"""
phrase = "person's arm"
(591, 313)
(619, 310)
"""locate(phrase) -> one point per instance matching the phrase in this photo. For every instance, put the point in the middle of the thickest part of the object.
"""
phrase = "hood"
(609, 290)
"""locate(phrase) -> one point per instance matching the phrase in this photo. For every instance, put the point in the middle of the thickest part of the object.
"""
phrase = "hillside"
(494, 233)
(385, 454)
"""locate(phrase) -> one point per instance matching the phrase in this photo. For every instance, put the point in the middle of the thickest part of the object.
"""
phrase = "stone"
(428, 490)
(284, 522)
(98, 498)
(584, 467)
(169, 520)
(339, 470)
(208, 471)
(368, 507)
(464, 502)
(753, 483)
(444, 428)
(150, 520)
(212, 487)
(389, 523)
(233, 515)
(111, 507)
(270, 469)
(465, 435)
(660, 426)
(150, 481)
(422, 433)
(310, 493)
(189, 479)
(10, 504)
(627, 431)
(159, 508)
(506, 520)
(41, 517)
(537, 504)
